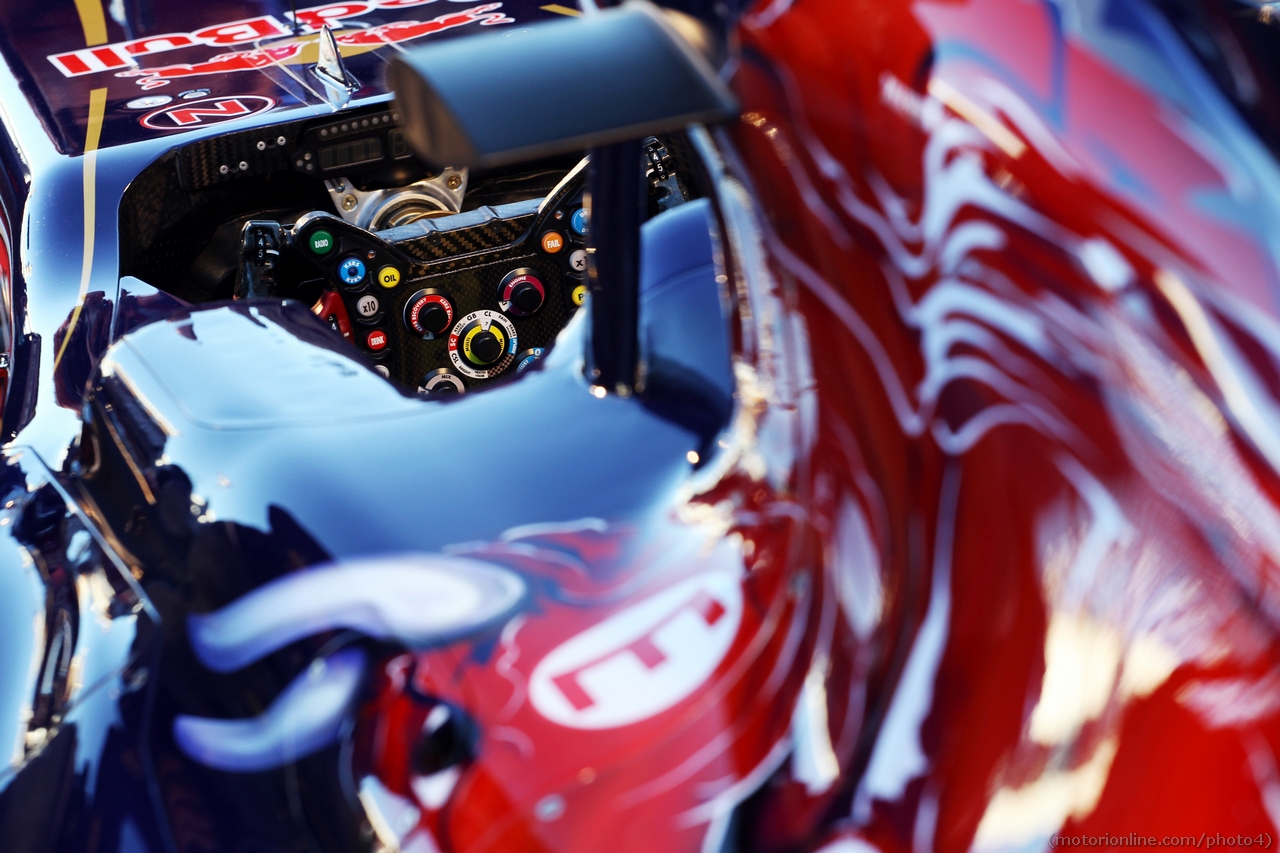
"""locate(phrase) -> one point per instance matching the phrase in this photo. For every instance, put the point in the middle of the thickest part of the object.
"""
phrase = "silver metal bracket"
(377, 210)
(337, 82)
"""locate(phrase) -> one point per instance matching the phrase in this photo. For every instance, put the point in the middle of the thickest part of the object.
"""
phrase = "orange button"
(552, 242)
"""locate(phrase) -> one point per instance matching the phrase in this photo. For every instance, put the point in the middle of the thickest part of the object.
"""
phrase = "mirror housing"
(555, 87)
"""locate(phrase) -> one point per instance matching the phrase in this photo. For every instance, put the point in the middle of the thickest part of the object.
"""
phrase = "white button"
(578, 260)
(367, 305)
(382, 369)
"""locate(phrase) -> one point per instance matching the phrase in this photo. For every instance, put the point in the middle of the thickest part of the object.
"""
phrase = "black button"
(486, 347)
(526, 298)
(433, 318)
(521, 292)
(428, 313)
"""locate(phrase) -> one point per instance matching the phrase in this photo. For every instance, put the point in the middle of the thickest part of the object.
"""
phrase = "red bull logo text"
(122, 57)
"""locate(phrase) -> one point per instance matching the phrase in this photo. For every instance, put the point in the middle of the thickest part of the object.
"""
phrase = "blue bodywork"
(166, 459)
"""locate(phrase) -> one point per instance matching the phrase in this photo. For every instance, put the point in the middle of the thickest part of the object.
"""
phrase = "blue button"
(578, 222)
(351, 270)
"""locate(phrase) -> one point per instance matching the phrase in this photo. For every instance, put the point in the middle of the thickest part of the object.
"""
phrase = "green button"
(321, 242)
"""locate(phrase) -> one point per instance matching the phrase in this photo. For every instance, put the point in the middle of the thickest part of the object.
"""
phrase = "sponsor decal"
(247, 60)
(122, 57)
(643, 660)
(123, 54)
(208, 111)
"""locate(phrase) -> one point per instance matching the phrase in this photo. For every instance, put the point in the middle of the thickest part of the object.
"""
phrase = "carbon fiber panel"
(473, 289)
(458, 238)
(249, 153)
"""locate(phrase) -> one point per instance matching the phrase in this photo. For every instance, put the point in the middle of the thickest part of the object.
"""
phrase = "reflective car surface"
(805, 425)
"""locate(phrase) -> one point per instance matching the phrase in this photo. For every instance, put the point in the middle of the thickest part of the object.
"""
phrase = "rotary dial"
(482, 344)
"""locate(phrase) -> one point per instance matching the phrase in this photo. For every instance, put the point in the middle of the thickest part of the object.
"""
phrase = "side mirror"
(602, 82)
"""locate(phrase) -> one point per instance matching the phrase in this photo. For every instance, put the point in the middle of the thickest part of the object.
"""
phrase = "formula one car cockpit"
(446, 278)
(287, 377)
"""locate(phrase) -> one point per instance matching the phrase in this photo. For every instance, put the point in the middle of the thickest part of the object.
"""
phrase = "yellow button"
(388, 276)
(579, 294)
(552, 242)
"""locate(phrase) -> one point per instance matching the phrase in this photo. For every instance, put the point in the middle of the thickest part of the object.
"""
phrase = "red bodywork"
(1001, 493)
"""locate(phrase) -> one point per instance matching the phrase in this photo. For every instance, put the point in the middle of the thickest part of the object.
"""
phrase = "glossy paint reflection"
(78, 685)
(411, 599)
(721, 658)
(1036, 258)
(989, 523)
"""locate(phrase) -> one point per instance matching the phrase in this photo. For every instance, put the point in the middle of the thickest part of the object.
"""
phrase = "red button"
(376, 340)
